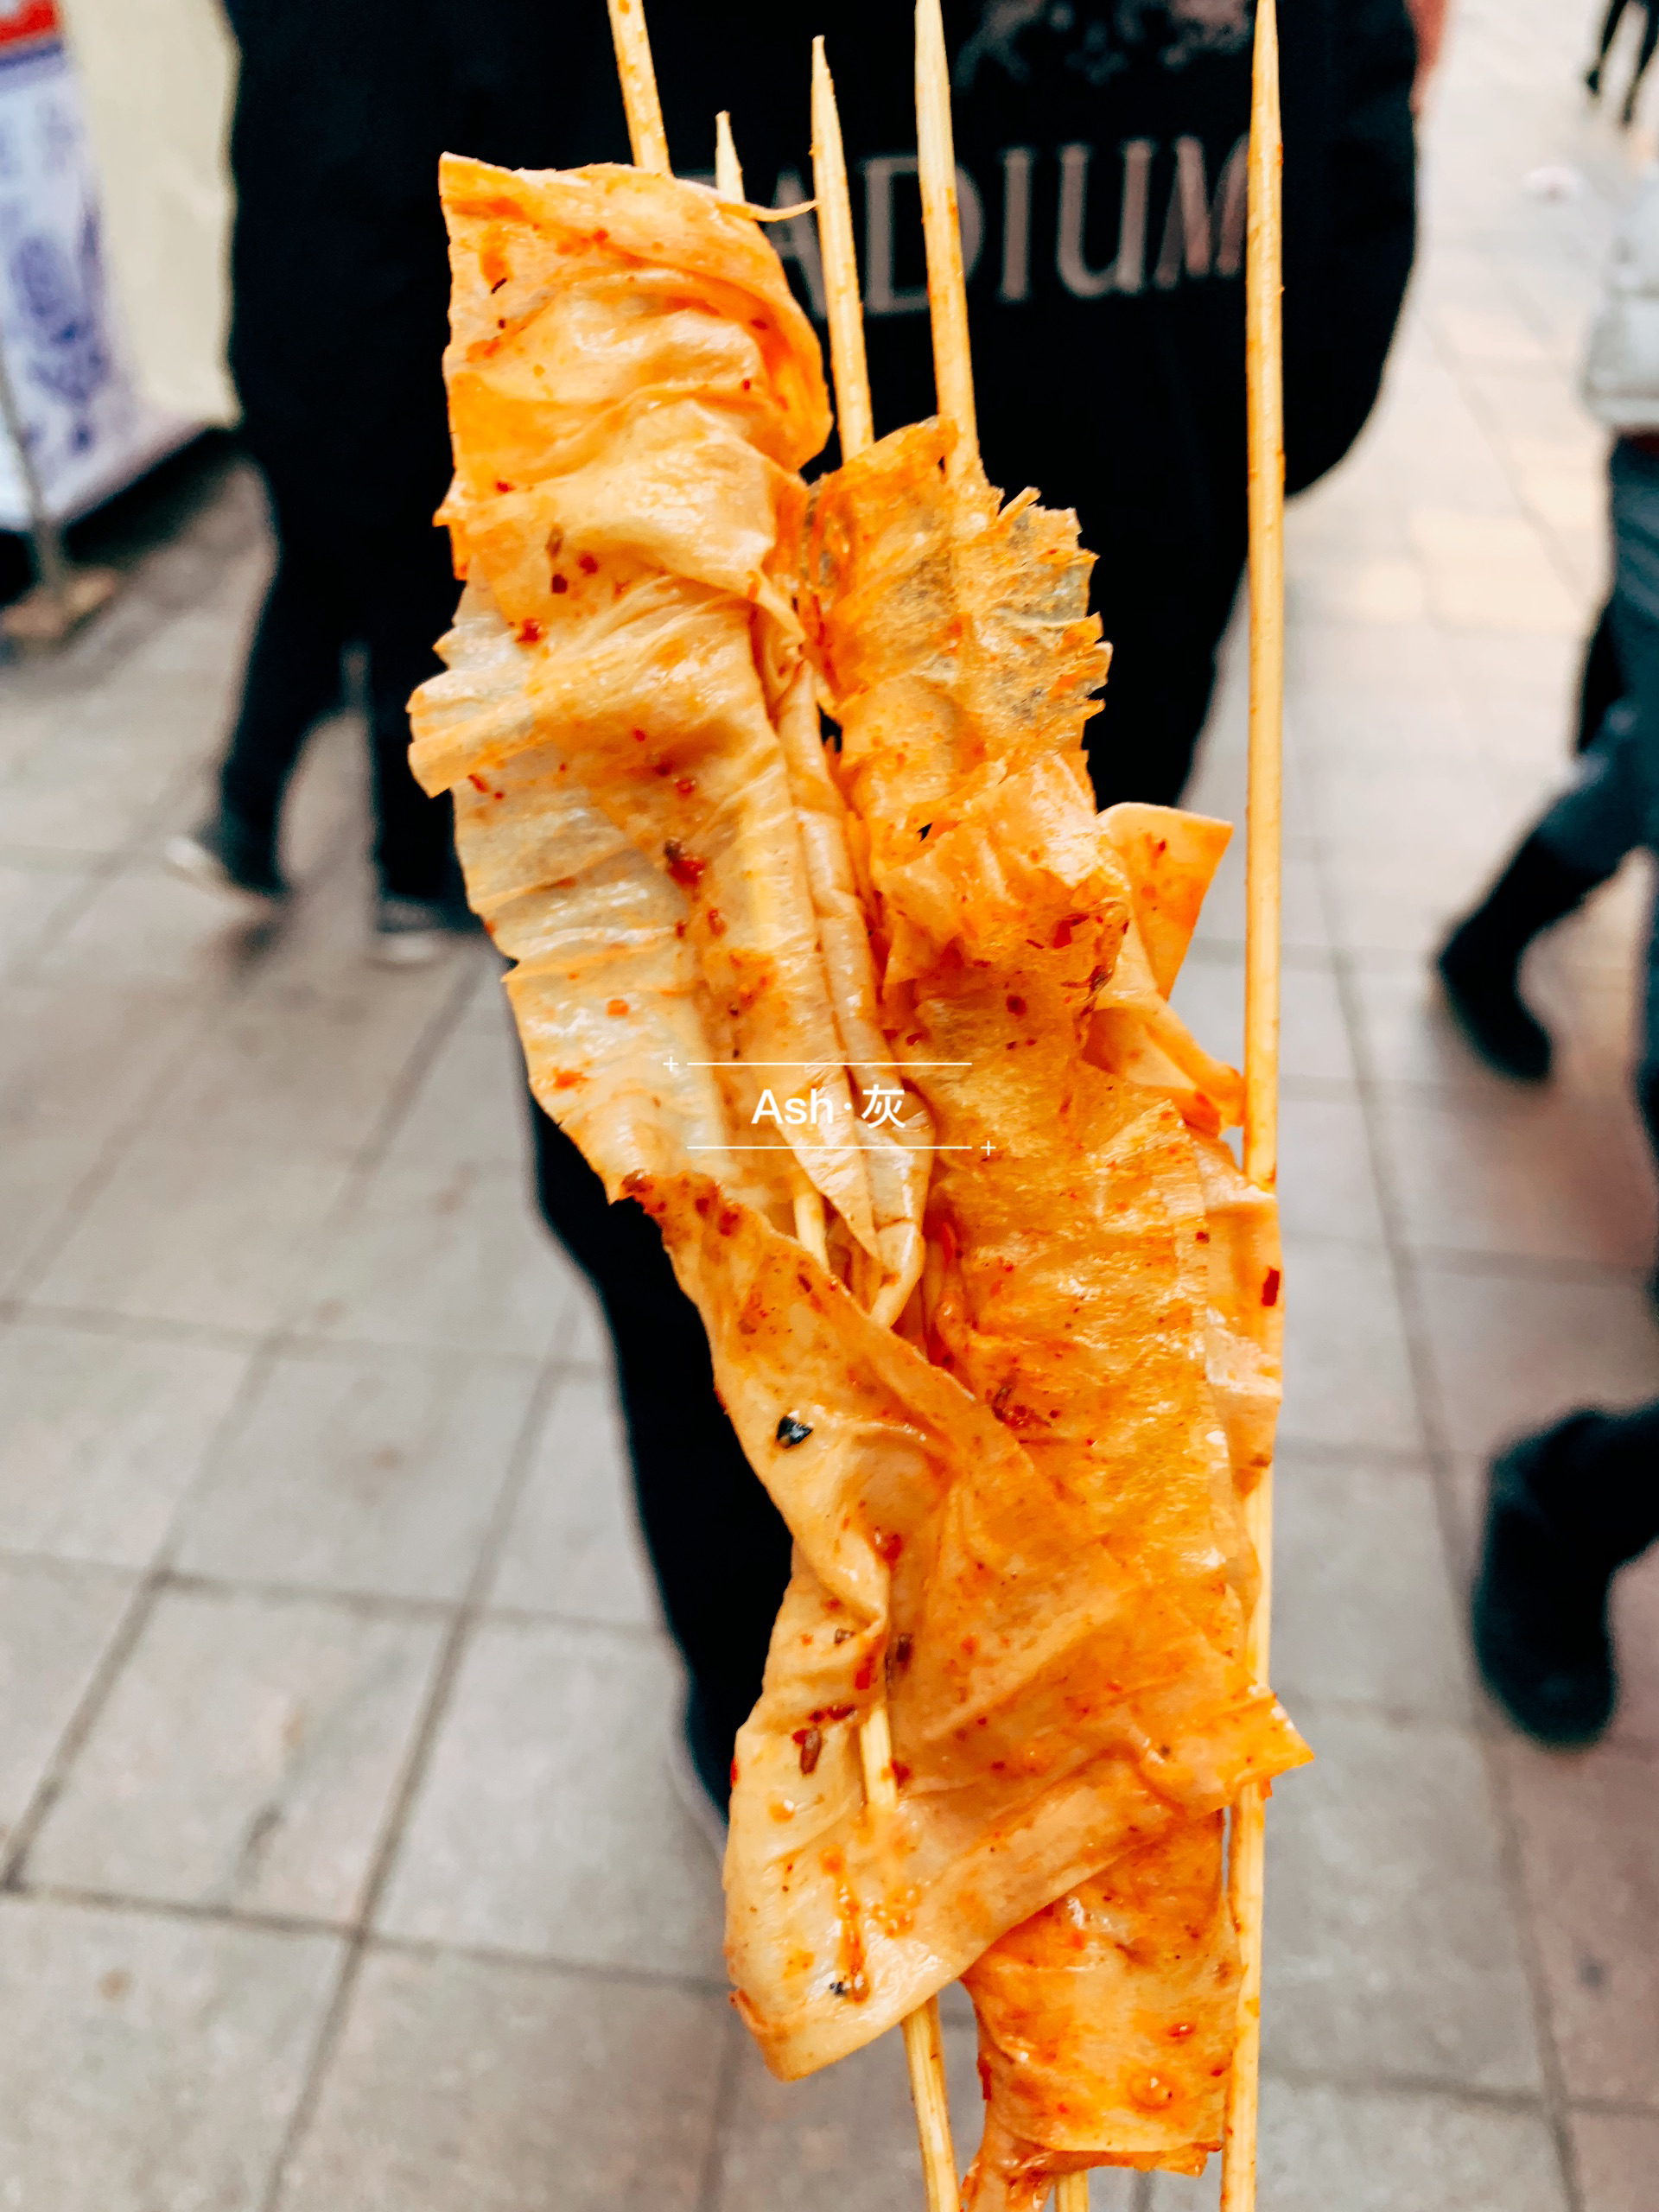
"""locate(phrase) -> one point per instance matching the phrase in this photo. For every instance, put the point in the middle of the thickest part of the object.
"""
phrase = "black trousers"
(718, 1545)
(1163, 676)
(1601, 679)
(390, 590)
(1599, 1484)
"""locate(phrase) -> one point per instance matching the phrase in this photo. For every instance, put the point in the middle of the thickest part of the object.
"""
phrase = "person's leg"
(1649, 40)
(1141, 745)
(1647, 1068)
(1479, 964)
(1568, 1508)
(1601, 682)
(292, 679)
(409, 602)
(1580, 840)
(1163, 674)
(1610, 25)
(718, 1546)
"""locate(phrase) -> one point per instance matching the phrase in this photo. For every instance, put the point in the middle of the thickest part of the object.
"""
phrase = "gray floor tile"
(1370, 812)
(1510, 1352)
(1391, 1954)
(151, 2063)
(1364, 1611)
(41, 1176)
(1347, 1377)
(449, 1257)
(91, 791)
(270, 1794)
(546, 1823)
(56, 1623)
(586, 1337)
(189, 1231)
(1378, 906)
(572, 1546)
(1552, 1177)
(32, 902)
(1590, 1855)
(302, 1070)
(1409, 1038)
(101, 1436)
(1617, 2156)
(1322, 2148)
(1326, 1187)
(843, 2140)
(1636, 1640)
(155, 928)
(472, 1105)
(78, 1064)
(503, 2088)
(375, 1474)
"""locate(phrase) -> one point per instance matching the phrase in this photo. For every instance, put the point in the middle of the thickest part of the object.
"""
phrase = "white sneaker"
(409, 932)
(215, 857)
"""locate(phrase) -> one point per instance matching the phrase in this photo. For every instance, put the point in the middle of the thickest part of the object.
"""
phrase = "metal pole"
(45, 537)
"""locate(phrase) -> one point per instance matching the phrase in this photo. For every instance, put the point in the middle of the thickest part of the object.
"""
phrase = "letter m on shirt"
(1201, 235)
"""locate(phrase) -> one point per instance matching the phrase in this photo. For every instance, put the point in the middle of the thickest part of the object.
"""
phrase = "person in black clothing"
(1601, 680)
(1100, 144)
(339, 283)
(1609, 24)
(1568, 1508)
(1102, 150)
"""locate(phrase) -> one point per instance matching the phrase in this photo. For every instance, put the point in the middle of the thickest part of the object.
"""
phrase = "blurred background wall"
(158, 78)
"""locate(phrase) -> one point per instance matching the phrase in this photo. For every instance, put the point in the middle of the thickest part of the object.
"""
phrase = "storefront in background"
(75, 401)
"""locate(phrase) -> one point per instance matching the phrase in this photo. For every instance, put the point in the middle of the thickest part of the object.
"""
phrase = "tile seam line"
(1440, 1461)
(70, 1897)
(151, 1580)
(364, 1158)
(296, 1343)
(401, 1801)
(712, 2178)
(393, 1605)
(261, 1356)
(122, 1137)
(142, 1603)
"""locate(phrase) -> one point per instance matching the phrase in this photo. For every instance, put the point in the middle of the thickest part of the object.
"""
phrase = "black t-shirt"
(1101, 146)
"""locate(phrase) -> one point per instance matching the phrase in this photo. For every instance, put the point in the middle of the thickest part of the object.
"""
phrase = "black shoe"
(1479, 964)
(1592, 81)
(1539, 1607)
(223, 855)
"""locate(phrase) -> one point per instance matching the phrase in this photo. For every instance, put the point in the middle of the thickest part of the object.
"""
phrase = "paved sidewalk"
(340, 1869)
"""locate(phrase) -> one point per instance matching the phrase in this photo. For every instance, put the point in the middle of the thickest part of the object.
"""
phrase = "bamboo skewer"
(947, 290)
(847, 363)
(924, 2041)
(1263, 285)
(634, 66)
(728, 170)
